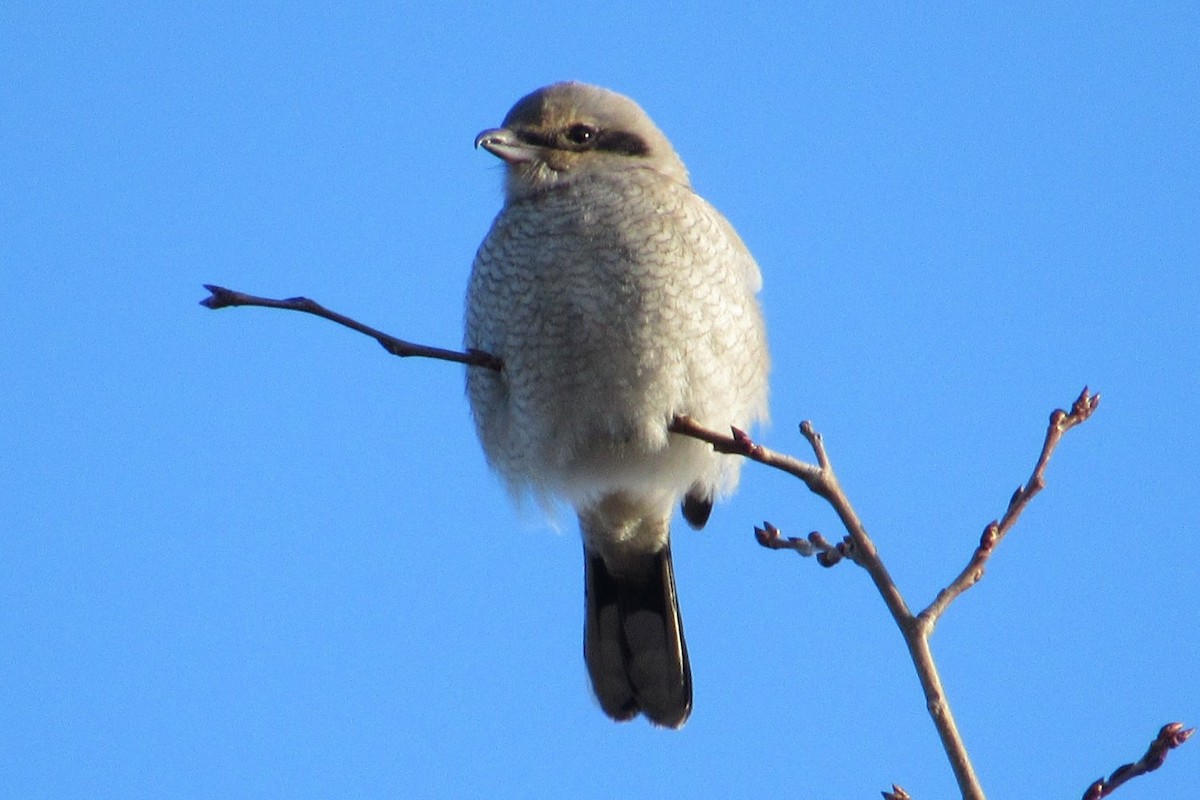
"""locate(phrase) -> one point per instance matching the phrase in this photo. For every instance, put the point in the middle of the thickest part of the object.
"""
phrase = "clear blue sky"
(247, 554)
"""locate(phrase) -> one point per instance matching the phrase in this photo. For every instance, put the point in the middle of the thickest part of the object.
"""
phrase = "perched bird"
(616, 298)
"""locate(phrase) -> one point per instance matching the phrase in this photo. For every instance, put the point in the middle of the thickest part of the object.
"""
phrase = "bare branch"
(226, 298)
(1060, 422)
(740, 444)
(857, 546)
(817, 545)
(897, 793)
(1169, 737)
(822, 481)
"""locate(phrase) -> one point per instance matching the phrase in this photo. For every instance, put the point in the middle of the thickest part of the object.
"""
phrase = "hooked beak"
(504, 144)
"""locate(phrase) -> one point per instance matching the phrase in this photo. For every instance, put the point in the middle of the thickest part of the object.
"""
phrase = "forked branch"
(857, 546)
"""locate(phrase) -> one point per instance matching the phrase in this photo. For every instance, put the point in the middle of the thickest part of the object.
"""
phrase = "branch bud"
(991, 535)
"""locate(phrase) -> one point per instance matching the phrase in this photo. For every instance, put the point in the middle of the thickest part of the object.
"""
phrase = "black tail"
(633, 642)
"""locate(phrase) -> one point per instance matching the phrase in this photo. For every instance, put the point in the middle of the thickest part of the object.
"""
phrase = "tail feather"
(633, 642)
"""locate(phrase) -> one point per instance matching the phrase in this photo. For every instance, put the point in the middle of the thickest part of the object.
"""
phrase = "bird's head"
(568, 131)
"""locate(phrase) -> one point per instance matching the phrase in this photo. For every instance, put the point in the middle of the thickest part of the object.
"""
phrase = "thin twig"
(740, 444)
(1060, 422)
(1169, 737)
(821, 480)
(226, 298)
(814, 544)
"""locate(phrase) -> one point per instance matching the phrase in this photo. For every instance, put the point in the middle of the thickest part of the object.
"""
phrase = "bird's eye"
(581, 133)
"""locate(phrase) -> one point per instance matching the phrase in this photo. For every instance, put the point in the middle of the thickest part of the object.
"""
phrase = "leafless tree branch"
(1060, 422)
(858, 547)
(822, 481)
(221, 297)
(916, 629)
(1169, 737)
(814, 544)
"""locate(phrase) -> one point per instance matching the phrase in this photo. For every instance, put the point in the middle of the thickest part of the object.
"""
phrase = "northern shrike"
(616, 298)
